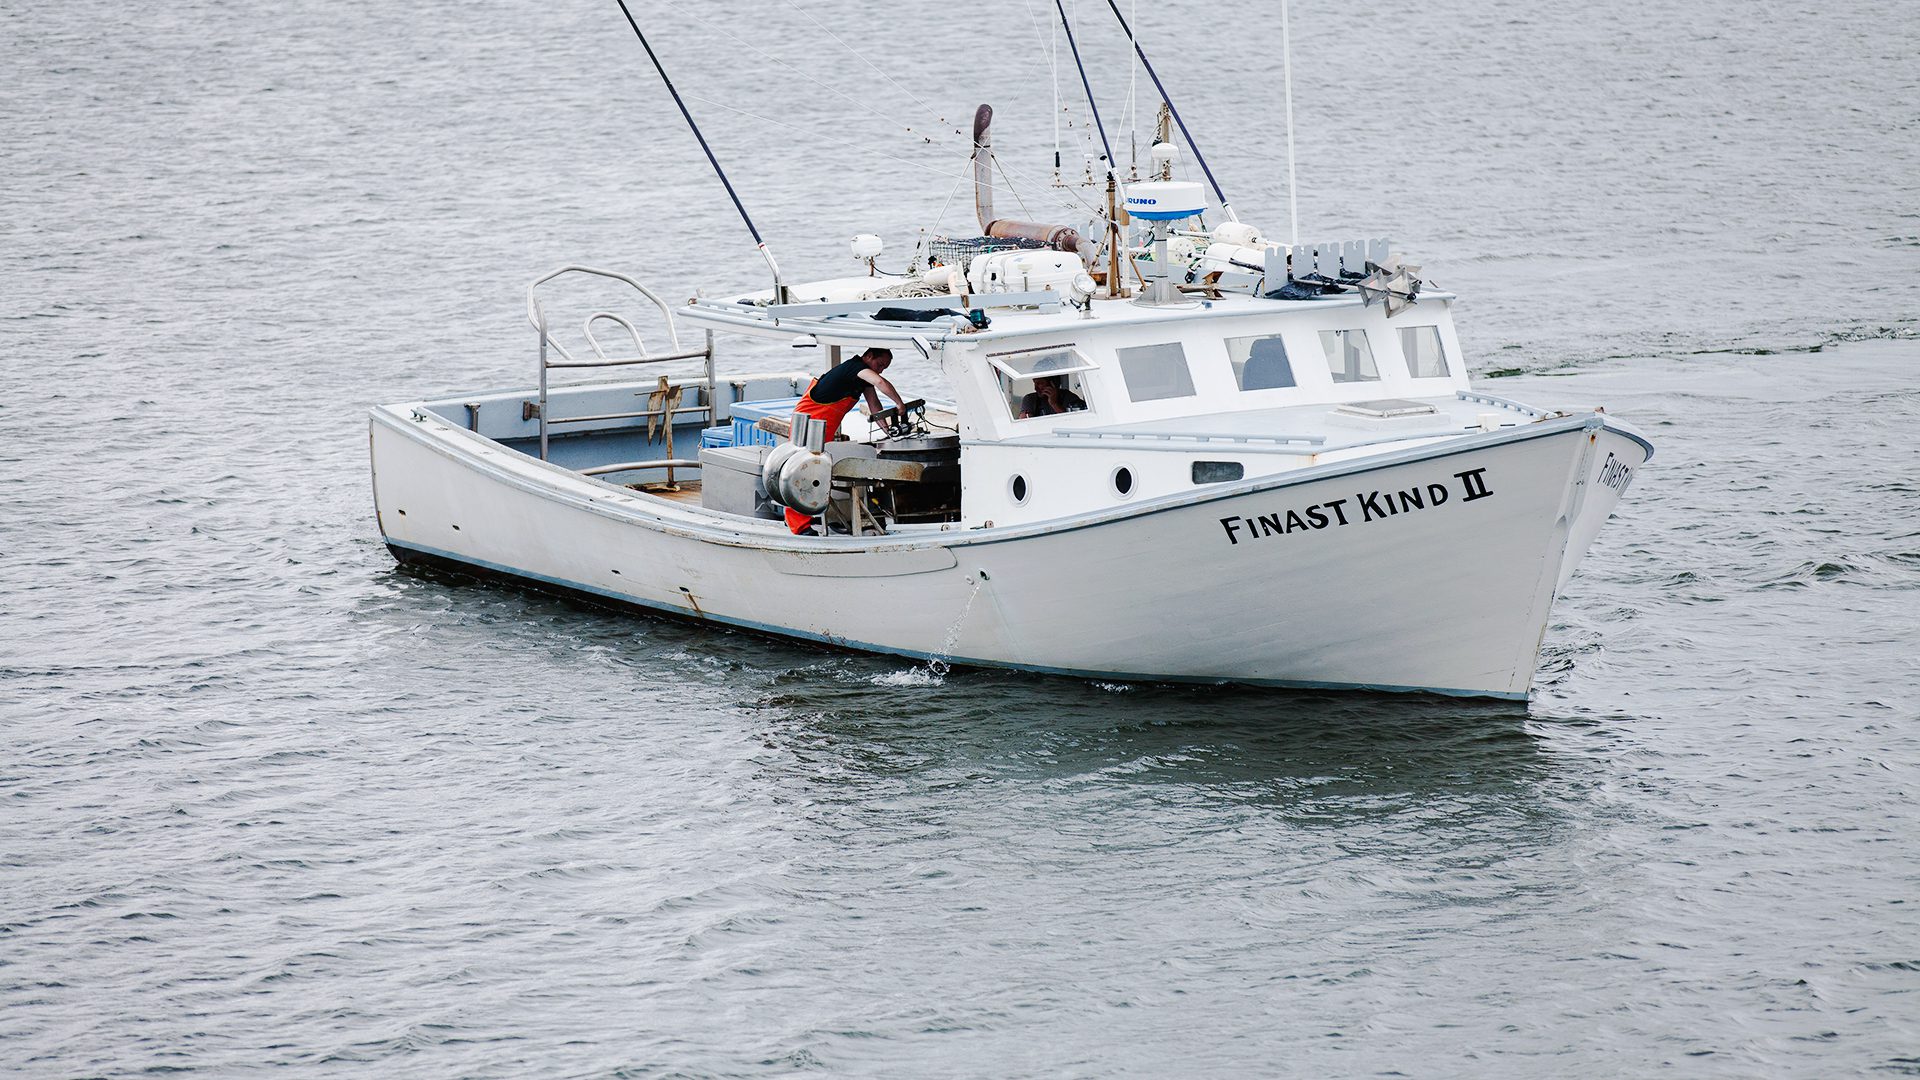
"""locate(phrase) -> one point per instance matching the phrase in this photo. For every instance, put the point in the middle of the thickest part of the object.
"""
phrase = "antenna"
(1084, 84)
(779, 285)
(1184, 133)
(1293, 198)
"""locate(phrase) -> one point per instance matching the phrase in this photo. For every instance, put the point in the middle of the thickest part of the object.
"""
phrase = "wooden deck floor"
(689, 491)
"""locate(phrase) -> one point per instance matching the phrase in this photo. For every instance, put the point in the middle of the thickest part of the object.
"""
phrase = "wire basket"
(958, 251)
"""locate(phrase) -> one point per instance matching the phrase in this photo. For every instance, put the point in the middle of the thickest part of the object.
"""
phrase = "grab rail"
(1188, 436)
(635, 466)
(1478, 398)
(537, 315)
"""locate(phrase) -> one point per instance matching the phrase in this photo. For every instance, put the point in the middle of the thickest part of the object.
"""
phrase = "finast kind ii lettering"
(1359, 510)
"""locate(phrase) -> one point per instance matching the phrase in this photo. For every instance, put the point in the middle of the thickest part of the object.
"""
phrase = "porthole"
(1018, 488)
(1123, 481)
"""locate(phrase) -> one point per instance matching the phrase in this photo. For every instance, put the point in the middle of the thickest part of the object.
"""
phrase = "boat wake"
(919, 675)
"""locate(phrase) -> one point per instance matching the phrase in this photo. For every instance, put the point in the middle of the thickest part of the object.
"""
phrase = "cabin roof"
(1011, 316)
(1300, 429)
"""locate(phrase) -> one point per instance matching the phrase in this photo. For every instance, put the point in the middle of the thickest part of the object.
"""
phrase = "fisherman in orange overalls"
(832, 396)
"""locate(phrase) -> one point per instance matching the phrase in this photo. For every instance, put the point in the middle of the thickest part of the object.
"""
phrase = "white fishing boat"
(1270, 466)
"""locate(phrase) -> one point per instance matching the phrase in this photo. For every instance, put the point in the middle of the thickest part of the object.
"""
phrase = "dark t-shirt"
(841, 383)
(1035, 405)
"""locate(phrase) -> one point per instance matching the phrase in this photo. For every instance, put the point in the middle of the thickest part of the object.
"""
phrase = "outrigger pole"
(1085, 85)
(1184, 133)
(779, 285)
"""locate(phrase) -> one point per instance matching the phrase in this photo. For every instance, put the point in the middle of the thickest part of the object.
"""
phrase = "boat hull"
(1431, 569)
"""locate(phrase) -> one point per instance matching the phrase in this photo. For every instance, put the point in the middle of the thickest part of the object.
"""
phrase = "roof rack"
(851, 322)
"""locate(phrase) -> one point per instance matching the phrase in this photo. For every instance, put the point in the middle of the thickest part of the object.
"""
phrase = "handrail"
(537, 315)
(628, 415)
(586, 330)
(1300, 449)
(964, 301)
(1195, 436)
(1479, 398)
(684, 354)
(740, 317)
(636, 466)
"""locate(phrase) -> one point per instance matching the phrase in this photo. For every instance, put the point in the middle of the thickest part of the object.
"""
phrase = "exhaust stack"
(983, 167)
(1058, 237)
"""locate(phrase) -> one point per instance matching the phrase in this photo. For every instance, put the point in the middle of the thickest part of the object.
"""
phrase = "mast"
(779, 284)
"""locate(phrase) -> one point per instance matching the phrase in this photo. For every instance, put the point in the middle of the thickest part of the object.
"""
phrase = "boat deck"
(686, 492)
(585, 449)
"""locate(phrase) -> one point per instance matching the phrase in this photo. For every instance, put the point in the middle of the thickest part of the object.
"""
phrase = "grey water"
(268, 802)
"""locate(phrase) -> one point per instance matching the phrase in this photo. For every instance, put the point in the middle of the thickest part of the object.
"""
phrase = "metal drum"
(936, 496)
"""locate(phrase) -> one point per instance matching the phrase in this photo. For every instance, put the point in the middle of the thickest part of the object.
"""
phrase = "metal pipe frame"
(537, 315)
(632, 415)
(628, 361)
(636, 466)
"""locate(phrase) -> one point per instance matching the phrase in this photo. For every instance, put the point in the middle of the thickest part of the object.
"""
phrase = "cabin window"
(1349, 357)
(1425, 357)
(1155, 372)
(1217, 472)
(1042, 382)
(1260, 362)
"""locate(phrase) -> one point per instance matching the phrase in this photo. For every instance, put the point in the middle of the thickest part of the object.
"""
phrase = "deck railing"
(667, 410)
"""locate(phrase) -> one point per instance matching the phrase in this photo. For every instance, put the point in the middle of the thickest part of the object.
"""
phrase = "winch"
(910, 474)
(932, 496)
(915, 474)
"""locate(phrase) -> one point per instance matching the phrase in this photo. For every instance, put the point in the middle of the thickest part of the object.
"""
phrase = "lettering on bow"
(1362, 508)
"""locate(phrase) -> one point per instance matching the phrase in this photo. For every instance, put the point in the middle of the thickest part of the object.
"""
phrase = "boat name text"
(1359, 510)
(1616, 474)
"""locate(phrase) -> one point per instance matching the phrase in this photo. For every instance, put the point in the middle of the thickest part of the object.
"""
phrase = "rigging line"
(828, 138)
(1049, 48)
(995, 159)
(831, 89)
(1034, 21)
(931, 111)
(1128, 110)
(1084, 84)
(779, 285)
(1184, 133)
(1014, 181)
(1008, 174)
(1052, 49)
(1067, 195)
(945, 206)
(1130, 115)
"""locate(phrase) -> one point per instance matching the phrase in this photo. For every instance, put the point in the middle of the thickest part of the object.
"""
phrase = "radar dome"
(1166, 200)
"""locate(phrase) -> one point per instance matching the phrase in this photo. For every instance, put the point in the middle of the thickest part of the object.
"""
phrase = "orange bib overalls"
(832, 414)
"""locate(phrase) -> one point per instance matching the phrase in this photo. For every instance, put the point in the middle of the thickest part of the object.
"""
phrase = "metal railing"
(1188, 436)
(668, 407)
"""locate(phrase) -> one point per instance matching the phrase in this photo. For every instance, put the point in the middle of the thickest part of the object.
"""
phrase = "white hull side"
(1450, 598)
